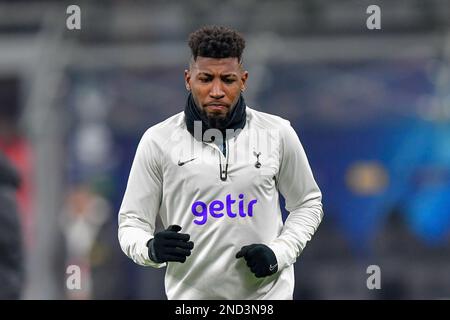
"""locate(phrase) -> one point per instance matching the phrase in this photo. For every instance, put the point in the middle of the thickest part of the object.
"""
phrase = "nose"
(216, 90)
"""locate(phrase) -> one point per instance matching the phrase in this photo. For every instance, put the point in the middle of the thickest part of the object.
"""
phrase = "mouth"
(216, 106)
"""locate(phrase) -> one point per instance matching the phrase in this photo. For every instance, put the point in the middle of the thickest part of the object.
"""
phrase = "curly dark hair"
(216, 42)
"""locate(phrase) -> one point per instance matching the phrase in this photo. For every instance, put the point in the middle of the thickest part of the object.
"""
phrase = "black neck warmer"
(236, 121)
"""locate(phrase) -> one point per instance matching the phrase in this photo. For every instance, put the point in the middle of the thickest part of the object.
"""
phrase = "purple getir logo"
(218, 209)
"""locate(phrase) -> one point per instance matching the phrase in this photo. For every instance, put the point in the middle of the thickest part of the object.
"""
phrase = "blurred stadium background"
(372, 108)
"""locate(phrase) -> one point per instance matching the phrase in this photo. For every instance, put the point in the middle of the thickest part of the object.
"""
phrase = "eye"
(229, 80)
(204, 79)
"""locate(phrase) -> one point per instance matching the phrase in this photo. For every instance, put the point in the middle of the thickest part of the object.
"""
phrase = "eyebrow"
(206, 73)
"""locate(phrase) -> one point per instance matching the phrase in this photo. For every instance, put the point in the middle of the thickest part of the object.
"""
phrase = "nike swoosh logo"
(182, 163)
(272, 267)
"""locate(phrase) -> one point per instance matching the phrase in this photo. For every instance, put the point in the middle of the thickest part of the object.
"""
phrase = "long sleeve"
(303, 200)
(141, 202)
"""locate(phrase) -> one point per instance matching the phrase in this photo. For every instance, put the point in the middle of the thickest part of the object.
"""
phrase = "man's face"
(216, 85)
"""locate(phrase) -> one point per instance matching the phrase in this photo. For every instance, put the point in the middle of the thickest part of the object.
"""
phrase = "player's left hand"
(260, 259)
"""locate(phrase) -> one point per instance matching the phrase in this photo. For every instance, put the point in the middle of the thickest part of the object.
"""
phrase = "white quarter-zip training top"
(223, 207)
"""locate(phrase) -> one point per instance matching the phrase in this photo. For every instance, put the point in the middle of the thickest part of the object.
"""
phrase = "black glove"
(260, 259)
(169, 245)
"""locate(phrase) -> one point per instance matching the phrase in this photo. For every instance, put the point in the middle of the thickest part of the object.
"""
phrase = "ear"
(244, 78)
(187, 79)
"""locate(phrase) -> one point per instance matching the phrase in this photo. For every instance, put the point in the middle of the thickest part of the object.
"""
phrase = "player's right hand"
(170, 245)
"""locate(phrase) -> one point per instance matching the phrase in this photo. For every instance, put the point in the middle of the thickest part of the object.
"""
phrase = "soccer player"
(213, 174)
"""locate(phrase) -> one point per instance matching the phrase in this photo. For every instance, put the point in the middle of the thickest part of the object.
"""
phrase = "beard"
(216, 120)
